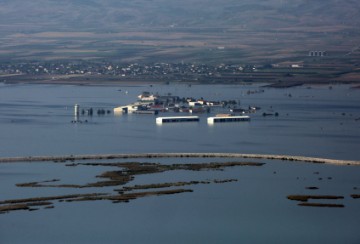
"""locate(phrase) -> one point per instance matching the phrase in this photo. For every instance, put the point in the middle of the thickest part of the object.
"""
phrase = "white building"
(146, 96)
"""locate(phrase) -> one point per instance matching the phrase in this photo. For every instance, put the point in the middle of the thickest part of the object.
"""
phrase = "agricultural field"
(273, 37)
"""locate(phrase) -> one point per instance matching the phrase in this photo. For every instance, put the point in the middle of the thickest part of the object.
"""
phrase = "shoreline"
(111, 81)
(314, 160)
(123, 84)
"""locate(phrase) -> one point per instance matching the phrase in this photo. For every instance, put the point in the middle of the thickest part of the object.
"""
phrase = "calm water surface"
(318, 122)
(35, 120)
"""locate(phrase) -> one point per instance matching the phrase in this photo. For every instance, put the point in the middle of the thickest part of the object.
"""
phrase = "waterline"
(180, 155)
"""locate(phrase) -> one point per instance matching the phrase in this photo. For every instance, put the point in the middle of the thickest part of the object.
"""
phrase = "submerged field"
(91, 196)
(232, 197)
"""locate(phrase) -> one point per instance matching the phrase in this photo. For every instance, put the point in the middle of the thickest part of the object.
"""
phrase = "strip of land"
(118, 178)
(179, 155)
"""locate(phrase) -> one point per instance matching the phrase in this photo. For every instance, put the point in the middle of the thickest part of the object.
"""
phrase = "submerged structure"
(172, 119)
(222, 119)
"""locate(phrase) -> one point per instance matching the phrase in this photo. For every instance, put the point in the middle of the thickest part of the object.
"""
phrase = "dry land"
(180, 155)
(278, 56)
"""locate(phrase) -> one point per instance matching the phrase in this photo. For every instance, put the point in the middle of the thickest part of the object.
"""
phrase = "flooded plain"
(231, 204)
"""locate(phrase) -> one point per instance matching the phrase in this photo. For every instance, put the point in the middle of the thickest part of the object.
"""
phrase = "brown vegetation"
(28, 203)
(129, 170)
(173, 184)
(119, 177)
(312, 188)
(326, 205)
(305, 198)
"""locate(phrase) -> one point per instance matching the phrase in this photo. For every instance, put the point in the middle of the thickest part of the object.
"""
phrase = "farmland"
(272, 38)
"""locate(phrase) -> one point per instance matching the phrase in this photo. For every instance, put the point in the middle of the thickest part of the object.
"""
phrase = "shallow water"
(317, 122)
(35, 120)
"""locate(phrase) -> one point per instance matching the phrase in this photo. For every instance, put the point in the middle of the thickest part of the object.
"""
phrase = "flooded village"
(118, 162)
(180, 109)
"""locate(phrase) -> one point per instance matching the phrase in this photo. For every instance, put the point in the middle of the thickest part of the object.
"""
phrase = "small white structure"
(127, 109)
(222, 119)
(146, 96)
(76, 110)
(198, 103)
(161, 120)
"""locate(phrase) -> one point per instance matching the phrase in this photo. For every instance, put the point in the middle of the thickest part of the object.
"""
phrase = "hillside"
(212, 31)
(98, 15)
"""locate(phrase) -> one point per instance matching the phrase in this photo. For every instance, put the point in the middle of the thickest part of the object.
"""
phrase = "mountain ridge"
(77, 15)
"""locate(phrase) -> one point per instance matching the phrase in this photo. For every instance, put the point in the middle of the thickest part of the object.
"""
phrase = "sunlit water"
(317, 122)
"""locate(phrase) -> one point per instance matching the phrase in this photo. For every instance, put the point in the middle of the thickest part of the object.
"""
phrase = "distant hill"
(216, 31)
(45, 15)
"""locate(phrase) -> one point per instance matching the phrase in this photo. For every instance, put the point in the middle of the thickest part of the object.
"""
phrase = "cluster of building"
(116, 69)
(149, 103)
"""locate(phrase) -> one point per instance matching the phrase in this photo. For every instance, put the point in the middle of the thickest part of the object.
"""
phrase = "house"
(147, 96)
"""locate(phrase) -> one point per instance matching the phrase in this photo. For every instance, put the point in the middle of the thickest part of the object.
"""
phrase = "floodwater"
(317, 122)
